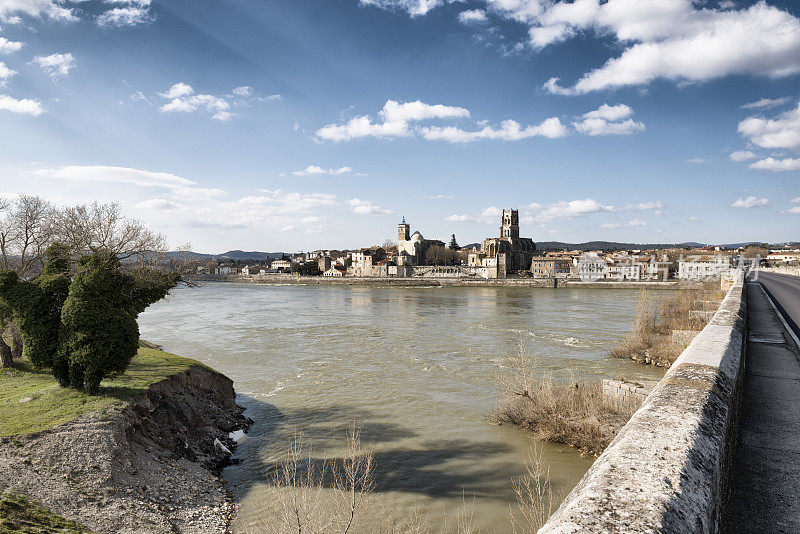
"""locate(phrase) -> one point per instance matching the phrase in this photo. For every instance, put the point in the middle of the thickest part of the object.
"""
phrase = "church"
(411, 248)
(507, 253)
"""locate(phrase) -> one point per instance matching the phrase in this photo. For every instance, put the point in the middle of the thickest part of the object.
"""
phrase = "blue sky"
(303, 124)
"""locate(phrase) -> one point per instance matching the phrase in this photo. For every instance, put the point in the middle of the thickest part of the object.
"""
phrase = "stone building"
(507, 253)
(551, 267)
(411, 248)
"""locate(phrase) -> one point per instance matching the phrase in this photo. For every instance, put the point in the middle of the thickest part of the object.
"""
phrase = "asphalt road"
(785, 291)
(765, 479)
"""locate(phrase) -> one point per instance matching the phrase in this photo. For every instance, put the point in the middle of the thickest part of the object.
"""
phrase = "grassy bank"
(31, 400)
(20, 515)
(657, 316)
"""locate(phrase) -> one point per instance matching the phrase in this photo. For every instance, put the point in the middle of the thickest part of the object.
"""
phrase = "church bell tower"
(403, 231)
(509, 228)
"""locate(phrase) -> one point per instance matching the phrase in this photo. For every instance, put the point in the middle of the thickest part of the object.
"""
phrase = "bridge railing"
(667, 469)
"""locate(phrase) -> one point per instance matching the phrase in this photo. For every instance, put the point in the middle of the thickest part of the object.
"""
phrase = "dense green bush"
(36, 306)
(99, 334)
(85, 329)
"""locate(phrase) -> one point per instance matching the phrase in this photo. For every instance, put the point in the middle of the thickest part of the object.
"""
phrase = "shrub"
(36, 306)
(99, 334)
(564, 410)
(650, 340)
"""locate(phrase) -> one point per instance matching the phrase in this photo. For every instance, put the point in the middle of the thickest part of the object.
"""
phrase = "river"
(415, 368)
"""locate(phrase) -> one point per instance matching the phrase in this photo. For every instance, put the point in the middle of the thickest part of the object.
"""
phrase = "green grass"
(31, 400)
(20, 515)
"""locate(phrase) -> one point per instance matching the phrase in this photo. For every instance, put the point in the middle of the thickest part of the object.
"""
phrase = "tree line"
(73, 281)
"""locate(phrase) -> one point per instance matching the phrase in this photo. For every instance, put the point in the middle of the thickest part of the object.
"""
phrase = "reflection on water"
(415, 367)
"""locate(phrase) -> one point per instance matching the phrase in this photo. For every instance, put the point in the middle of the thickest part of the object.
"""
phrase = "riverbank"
(138, 458)
(288, 279)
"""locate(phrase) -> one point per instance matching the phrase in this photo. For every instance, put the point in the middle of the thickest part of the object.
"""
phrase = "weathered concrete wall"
(667, 469)
(684, 337)
(794, 271)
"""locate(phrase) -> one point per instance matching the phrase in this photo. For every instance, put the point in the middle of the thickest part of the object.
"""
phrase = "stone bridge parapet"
(668, 468)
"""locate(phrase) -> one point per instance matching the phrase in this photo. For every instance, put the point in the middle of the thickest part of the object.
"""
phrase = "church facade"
(411, 248)
(502, 255)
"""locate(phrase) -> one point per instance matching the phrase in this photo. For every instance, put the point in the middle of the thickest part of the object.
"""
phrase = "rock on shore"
(148, 467)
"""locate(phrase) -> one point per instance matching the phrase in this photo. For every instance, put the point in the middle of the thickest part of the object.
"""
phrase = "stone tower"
(403, 231)
(509, 228)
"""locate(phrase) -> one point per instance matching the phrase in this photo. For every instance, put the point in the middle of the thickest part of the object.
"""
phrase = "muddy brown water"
(416, 369)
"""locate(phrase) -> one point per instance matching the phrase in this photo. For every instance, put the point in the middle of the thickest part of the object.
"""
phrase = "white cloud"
(182, 99)
(653, 205)
(222, 116)
(607, 120)
(509, 130)
(570, 209)
(671, 39)
(782, 131)
(139, 96)
(177, 90)
(244, 90)
(437, 197)
(395, 121)
(10, 9)
(776, 165)
(742, 155)
(399, 120)
(766, 103)
(750, 202)
(610, 113)
(157, 204)
(281, 202)
(629, 224)
(473, 16)
(366, 207)
(130, 13)
(696, 161)
(488, 215)
(56, 65)
(180, 187)
(5, 73)
(413, 7)
(126, 175)
(312, 170)
(795, 200)
(559, 210)
(792, 211)
(24, 106)
(7, 47)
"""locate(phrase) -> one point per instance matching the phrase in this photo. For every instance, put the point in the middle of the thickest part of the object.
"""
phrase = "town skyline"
(257, 129)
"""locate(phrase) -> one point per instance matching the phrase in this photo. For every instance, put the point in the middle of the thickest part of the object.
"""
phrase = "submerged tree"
(35, 306)
(99, 334)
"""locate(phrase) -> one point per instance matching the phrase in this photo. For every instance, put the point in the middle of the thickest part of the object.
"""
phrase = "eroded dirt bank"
(148, 467)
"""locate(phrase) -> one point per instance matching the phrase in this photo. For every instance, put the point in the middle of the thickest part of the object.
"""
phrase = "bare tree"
(87, 229)
(438, 255)
(534, 493)
(26, 230)
(321, 496)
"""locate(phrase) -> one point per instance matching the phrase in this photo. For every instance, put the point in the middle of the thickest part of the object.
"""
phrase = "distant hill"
(240, 255)
(611, 245)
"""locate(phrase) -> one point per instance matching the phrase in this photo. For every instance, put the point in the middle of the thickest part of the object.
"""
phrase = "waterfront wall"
(667, 469)
(432, 281)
